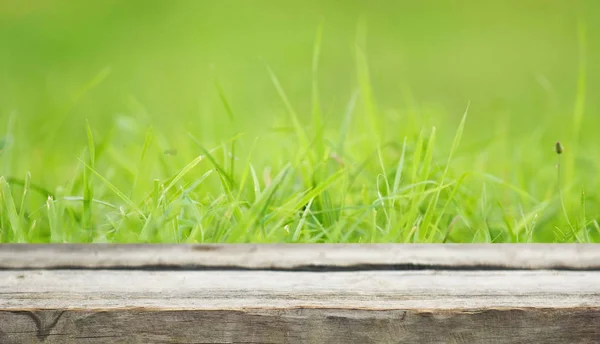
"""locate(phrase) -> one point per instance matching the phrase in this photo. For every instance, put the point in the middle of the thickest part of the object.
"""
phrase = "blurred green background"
(511, 59)
(126, 65)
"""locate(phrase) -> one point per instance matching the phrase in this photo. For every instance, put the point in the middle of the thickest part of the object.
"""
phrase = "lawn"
(299, 121)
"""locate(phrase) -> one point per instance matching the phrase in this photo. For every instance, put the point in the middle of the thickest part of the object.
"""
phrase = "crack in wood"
(323, 268)
(42, 328)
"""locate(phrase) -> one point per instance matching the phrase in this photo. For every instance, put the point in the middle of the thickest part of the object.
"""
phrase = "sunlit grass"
(302, 165)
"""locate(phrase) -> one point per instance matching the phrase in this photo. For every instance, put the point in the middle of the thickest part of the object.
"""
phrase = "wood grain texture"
(299, 294)
(132, 326)
(62, 289)
(303, 257)
(119, 306)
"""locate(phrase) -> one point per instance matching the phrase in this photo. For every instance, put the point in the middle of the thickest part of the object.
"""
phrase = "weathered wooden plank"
(237, 290)
(298, 257)
(117, 306)
(133, 326)
(239, 294)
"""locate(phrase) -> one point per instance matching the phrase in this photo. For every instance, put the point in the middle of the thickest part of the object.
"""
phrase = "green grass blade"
(18, 232)
(26, 187)
(54, 221)
(455, 143)
(147, 144)
(364, 81)
(300, 132)
(316, 104)
(224, 101)
(183, 172)
(214, 162)
(116, 191)
(242, 230)
(88, 184)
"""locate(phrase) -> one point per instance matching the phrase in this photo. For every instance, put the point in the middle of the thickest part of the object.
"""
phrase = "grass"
(114, 137)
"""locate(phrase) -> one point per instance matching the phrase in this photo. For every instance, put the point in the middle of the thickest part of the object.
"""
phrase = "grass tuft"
(373, 144)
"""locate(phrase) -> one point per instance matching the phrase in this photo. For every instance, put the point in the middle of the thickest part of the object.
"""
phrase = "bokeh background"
(127, 65)
(516, 61)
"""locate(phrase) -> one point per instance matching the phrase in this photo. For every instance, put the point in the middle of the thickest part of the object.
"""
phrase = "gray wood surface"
(297, 257)
(112, 306)
(235, 290)
(319, 326)
(299, 294)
